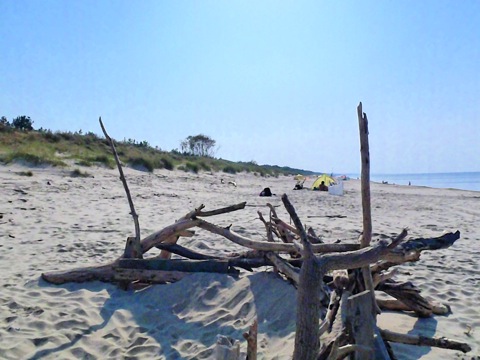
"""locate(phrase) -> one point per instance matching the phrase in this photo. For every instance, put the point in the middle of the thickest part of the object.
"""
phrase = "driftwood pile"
(336, 283)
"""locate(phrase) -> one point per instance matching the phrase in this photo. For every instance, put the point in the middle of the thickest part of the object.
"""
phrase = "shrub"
(50, 136)
(167, 163)
(23, 123)
(140, 162)
(204, 166)
(229, 169)
(192, 167)
(104, 159)
(32, 159)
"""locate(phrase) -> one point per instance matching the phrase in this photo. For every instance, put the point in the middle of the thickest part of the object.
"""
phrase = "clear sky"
(277, 82)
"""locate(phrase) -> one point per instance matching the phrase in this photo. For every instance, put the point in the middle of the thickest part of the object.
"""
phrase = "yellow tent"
(325, 178)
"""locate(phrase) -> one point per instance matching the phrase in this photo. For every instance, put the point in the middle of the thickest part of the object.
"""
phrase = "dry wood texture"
(344, 297)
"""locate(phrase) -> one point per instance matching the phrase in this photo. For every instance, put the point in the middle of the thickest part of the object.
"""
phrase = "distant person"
(323, 187)
(266, 192)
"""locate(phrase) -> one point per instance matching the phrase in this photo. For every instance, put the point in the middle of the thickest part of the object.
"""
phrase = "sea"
(453, 180)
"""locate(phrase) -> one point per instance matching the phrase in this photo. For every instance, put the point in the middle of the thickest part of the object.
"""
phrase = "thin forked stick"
(136, 244)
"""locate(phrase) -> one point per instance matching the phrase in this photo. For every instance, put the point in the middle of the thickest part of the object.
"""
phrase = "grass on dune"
(44, 147)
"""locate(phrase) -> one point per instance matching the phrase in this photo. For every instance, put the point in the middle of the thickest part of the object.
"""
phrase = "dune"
(52, 221)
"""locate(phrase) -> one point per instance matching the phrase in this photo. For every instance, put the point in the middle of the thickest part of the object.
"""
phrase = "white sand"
(51, 221)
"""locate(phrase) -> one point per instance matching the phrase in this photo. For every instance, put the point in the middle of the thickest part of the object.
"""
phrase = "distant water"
(460, 180)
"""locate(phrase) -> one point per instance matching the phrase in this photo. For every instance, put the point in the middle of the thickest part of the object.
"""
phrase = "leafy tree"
(198, 145)
(23, 123)
(4, 125)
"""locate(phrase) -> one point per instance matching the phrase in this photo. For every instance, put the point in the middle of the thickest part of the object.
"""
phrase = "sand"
(52, 221)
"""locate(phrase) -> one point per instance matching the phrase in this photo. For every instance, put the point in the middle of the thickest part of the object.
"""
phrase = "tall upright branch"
(366, 206)
(365, 177)
(137, 249)
(307, 335)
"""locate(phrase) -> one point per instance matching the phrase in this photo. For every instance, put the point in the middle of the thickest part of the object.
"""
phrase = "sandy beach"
(52, 221)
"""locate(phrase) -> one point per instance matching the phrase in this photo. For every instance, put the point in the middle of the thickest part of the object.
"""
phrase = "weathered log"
(251, 337)
(441, 342)
(361, 323)
(216, 266)
(366, 205)
(409, 294)
(148, 276)
(284, 267)
(409, 251)
(408, 298)
(104, 273)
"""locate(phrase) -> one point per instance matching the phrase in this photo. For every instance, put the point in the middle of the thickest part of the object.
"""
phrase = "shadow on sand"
(189, 313)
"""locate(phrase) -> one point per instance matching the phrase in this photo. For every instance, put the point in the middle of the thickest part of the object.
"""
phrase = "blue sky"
(277, 82)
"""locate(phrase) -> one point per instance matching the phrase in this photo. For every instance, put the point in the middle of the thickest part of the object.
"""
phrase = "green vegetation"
(44, 147)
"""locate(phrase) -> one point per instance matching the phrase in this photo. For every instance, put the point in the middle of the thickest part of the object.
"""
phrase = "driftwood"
(251, 338)
(442, 342)
(132, 247)
(366, 203)
(336, 306)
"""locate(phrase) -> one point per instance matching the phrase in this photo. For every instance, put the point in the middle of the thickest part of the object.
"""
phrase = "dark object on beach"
(266, 192)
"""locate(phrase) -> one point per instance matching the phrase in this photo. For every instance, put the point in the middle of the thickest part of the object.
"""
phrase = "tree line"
(198, 145)
(20, 122)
